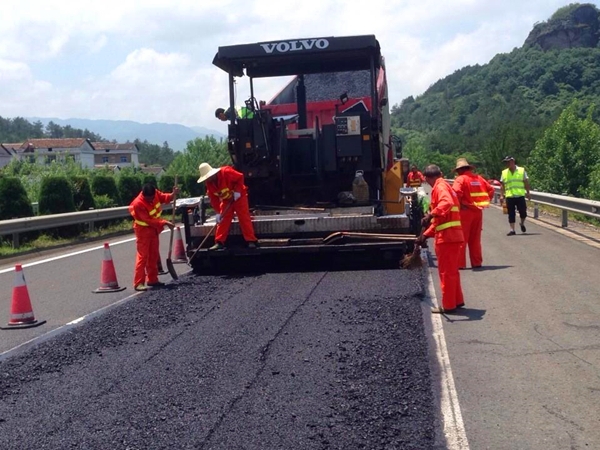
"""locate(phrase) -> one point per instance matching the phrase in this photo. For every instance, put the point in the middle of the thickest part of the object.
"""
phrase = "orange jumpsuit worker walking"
(443, 222)
(474, 194)
(147, 225)
(228, 194)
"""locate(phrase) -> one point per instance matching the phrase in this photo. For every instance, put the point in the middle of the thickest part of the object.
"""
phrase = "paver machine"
(324, 174)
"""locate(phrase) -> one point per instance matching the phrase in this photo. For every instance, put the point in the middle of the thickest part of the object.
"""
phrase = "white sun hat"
(206, 171)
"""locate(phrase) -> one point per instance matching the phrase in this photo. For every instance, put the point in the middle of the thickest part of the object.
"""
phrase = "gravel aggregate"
(311, 360)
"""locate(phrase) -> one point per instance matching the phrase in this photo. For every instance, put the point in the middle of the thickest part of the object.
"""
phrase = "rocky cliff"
(576, 25)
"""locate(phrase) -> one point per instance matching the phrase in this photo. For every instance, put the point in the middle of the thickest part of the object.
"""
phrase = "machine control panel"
(347, 126)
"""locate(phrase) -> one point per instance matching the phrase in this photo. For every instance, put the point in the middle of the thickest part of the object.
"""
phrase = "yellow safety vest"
(514, 183)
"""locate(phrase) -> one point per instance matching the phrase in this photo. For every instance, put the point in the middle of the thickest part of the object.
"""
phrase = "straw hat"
(206, 171)
(462, 163)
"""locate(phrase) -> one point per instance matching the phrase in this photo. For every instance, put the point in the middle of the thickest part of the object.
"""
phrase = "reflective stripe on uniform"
(447, 225)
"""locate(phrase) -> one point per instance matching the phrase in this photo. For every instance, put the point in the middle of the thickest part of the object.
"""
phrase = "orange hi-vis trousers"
(472, 224)
(146, 261)
(241, 208)
(447, 258)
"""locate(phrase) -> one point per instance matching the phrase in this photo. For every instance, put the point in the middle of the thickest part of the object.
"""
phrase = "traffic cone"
(161, 270)
(21, 313)
(179, 256)
(108, 276)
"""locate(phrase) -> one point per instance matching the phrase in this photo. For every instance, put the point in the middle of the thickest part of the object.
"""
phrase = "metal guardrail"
(17, 226)
(565, 203)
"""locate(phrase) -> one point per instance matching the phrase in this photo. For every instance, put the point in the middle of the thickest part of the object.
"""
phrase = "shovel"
(170, 266)
(209, 233)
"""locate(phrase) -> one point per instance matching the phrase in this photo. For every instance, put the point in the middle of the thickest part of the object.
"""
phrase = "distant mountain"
(122, 131)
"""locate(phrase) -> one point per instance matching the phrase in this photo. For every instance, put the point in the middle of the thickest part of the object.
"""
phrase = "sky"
(151, 60)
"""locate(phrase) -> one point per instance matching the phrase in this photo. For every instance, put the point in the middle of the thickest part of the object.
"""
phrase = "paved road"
(311, 360)
(526, 356)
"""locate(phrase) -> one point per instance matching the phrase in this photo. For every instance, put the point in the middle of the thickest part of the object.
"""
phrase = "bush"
(192, 187)
(166, 183)
(105, 185)
(82, 194)
(129, 187)
(56, 196)
(14, 203)
(149, 178)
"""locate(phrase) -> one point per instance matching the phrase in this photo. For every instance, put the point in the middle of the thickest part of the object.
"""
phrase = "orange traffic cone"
(108, 277)
(21, 313)
(179, 256)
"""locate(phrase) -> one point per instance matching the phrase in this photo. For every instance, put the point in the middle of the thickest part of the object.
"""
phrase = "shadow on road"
(484, 268)
(465, 315)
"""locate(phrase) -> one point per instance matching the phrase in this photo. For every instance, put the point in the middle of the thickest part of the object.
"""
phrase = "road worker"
(228, 194)
(515, 187)
(242, 112)
(415, 178)
(474, 194)
(147, 225)
(443, 222)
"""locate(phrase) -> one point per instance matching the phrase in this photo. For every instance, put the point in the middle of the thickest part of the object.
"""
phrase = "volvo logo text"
(292, 46)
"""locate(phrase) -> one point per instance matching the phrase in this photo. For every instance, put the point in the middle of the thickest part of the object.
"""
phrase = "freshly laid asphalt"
(306, 360)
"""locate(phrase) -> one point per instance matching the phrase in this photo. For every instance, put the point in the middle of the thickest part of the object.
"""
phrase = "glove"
(236, 196)
(218, 218)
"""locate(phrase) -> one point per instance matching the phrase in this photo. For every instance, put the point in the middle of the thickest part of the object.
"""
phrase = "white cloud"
(151, 60)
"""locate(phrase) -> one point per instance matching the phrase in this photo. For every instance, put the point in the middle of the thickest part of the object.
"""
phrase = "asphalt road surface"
(311, 360)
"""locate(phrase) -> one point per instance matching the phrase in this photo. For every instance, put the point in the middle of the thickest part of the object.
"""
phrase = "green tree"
(14, 203)
(198, 151)
(82, 193)
(129, 187)
(56, 196)
(106, 185)
(565, 157)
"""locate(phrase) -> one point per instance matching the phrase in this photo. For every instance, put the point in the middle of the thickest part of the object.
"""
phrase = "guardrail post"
(90, 226)
(15, 240)
(536, 211)
(565, 218)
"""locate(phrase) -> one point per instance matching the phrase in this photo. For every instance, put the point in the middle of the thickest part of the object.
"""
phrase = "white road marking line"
(454, 428)
(67, 255)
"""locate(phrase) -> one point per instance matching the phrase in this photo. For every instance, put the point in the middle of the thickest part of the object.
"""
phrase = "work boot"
(140, 288)
(157, 284)
(253, 245)
(217, 246)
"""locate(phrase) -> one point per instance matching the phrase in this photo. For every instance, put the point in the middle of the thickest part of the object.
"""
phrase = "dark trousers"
(516, 203)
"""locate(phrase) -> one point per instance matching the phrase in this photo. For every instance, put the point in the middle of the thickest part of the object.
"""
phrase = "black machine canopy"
(300, 56)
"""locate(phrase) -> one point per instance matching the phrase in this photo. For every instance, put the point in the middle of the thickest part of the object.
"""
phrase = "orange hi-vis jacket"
(148, 214)
(473, 191)
(415, 179)
(228, 181)
(445, 208)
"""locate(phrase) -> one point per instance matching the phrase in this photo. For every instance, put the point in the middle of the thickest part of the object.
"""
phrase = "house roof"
(54, 143)
(114, 146)
(152, 169)
(5, 151)
(13, 146)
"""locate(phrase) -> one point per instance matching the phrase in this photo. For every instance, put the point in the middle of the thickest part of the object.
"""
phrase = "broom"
(412, 260)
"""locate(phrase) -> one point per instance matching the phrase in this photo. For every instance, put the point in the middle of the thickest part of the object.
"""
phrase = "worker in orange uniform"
(147, 225)
(443, 222)
(415, 178)
(228, 194)
(474, 194)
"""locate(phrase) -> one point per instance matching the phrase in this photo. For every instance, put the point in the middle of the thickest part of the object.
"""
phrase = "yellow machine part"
(394, 180)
